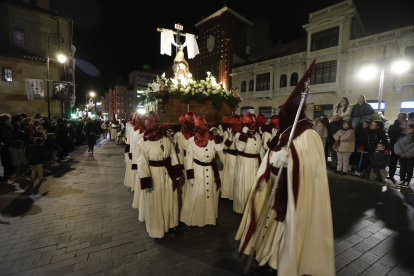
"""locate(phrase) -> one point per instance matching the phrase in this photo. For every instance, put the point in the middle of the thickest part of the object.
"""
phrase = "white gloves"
(177, 178)
(191, 182)
(230, 132)
(284, 155)
(220, 130)
(274, 132)
(245, 129)
(279, 158)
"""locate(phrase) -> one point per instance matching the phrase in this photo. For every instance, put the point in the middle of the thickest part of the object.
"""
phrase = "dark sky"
(120, 36)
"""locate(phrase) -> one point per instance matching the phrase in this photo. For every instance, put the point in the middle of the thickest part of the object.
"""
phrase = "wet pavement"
(80, 222)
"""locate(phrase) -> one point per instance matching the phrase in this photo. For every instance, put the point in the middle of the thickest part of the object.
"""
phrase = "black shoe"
(176, 232)
(344, 173)
(337, 172)
(402, 183)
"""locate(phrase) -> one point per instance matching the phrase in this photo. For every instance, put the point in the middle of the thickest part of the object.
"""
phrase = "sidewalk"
(85, 225)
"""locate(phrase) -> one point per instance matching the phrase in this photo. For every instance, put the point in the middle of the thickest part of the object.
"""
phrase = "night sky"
(120, 36)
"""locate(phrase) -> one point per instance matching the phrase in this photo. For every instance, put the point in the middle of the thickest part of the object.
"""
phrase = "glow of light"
(98, 103)
(190, 75)
(367, 73)
(401, 66)
(184, 81)
(92, 94)
(213, 81)
(61, 58)
(141, 111)
(174, 81)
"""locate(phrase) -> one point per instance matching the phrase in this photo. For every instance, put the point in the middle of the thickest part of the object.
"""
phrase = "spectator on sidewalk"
(379, 160)
(36, 156)
(376, 135)
(105, 126)
(343, 109)
(404, 148)
(7, 137)
(62, 136)
(346, 136)
(395, 132)
(333, 128)
(18, 158)
(91, 130)
(361, 111)
(28, 127)
(53, 147)
(322, 131)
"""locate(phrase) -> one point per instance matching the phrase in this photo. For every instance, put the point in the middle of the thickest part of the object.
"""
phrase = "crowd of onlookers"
(32, 142)
(362, 142)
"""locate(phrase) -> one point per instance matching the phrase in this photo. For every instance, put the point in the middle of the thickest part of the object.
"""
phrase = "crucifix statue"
(203, 112)
(180, 67)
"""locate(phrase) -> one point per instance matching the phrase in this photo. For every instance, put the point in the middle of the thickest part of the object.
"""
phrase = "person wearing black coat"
(91, 130)
(361, 111)
(378, 161)
(395, 132)
(333, 128)
(62, 136)
(7, 136)
(36, 156)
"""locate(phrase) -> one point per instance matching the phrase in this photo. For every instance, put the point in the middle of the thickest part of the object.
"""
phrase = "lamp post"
(368, 72)
(53, 39)
(92, 95)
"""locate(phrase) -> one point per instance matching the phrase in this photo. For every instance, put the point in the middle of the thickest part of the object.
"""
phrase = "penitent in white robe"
(245, 170)
(113, 131)
(200, 206)
(181, 142)
(136, 137)
(227, 186)
(159, 204)
(129, 173)
(303, 243)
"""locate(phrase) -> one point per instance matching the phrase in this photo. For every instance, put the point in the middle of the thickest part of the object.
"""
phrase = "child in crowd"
(404, 148)
(18, 158)
(322, 131)
(379, 160)
(36, 155)
(53, 147)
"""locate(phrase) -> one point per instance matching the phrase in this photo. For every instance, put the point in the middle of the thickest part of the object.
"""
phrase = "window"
(409, 55)
(243, 86)
(246, 109)
(251, 85)
(324, 72)
(374, 104)
(266, 110)
(18, 37)
(263, 82)
(324, 109)
(294, 79)
(325, 39)
(283, 81)
(6, 74)
(407, 106)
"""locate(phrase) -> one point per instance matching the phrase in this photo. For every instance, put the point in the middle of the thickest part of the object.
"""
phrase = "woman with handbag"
(91, 130)
(344, 145)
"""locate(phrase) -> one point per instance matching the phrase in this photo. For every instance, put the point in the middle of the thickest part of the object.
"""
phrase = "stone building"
(225, 40)
(339, 42)
(120, 99)
(24, 29)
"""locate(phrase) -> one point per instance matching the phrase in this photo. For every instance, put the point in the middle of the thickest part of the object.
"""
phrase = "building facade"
(24, 30)
(120, 100)
(338, 41)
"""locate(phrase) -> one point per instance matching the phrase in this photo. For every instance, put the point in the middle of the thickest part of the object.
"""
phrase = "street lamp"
(53, 39)
(369, 71)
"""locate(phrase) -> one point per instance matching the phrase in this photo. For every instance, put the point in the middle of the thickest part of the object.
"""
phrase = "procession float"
(172, 97)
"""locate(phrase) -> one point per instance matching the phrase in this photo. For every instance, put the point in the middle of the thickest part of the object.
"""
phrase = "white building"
(338, 41)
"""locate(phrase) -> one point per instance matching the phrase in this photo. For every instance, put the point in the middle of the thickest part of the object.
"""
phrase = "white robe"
(136, 137)
(227, 186)
(129, 173)
(113, 131)
(200, 206)
(245, 170)
(159, 204)
(303, 243)
(181, 142)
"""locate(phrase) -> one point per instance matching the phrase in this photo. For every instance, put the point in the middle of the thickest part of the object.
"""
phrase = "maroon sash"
(251, 155)
(213, 164)
(172, 172)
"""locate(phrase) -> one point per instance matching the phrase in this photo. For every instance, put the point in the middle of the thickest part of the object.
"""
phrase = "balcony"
(397, 33)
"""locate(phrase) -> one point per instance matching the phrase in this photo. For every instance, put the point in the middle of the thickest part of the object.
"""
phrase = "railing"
(340, 6)
(397, 33)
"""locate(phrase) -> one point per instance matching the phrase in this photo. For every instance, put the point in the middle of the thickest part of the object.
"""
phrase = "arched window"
(243, 86)
(283, 81)
(251, 85)
(293, 79)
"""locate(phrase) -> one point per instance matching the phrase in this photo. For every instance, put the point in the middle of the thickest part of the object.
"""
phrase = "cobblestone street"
(80, 222)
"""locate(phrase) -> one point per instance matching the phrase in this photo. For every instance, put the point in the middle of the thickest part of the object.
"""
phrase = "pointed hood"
(289, 109)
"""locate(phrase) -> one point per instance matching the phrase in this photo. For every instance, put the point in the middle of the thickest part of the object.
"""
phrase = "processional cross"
(179, 33)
